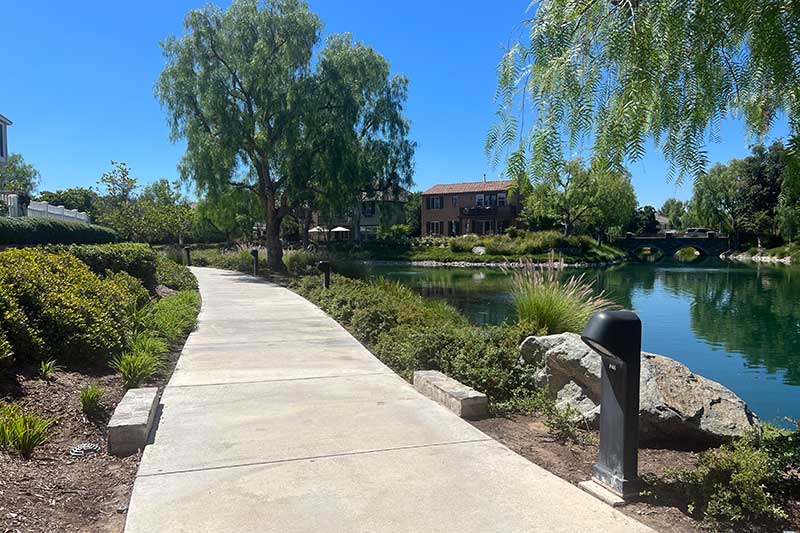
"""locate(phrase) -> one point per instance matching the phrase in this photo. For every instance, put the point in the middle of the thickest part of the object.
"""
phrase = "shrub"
(47, 369)
(55, 301)
(135, 367)
(299, 262)
(29, 230)
(746, 480)
(239, 260)
(90, 397)
(6, 351)
(17, 336)
(174, 275)
(395, 232)
(545, 302)
(173, 317)
(144, 358)
(157, 326)
(22, 432)
(138, 260)
(136, 293)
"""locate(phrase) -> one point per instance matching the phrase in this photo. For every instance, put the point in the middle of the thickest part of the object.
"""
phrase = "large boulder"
(676, 407)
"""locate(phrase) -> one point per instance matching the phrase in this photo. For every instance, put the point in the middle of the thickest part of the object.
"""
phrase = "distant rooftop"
(473, 186)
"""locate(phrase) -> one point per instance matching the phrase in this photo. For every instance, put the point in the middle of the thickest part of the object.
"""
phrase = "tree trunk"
(307, 219)
(274, 246)
(273, 238)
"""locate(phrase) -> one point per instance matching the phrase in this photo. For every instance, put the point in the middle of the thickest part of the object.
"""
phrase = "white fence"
(42, 210)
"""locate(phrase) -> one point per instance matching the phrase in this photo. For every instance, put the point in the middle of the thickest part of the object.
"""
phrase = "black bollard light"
(254, 253)
(325, 268)
(187, 254)
(617, 337)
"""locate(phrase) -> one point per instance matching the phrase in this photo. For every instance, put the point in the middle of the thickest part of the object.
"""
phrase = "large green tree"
(580, 197)
(675, 211)
(615, 73)
(240, 88)
(744, 195)
(716, 202)
(789, 202)
(80, 198)
(17, 175)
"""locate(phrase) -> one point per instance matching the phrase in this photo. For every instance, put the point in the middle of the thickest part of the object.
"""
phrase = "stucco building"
(482, 207)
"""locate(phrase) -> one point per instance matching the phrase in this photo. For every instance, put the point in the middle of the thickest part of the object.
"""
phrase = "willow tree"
(240, 88)
(614, 74)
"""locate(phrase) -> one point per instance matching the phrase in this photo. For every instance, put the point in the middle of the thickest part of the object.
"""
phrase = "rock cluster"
(677, 407)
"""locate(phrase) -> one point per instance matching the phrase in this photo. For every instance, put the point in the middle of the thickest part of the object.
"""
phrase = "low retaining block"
(462, 400)
(130, 425)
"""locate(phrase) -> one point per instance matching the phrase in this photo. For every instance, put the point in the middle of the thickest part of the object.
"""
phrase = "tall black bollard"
(254, 253)
(617, 337)
(188, 256)
(325, 268)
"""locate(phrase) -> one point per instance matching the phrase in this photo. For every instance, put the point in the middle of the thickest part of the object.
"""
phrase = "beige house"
(482, 207)
(364, 218)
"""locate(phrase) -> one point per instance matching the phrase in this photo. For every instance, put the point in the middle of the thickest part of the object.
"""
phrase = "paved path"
(276, 419)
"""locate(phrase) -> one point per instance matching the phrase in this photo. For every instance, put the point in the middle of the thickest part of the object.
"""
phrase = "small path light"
(187, 254)
(617, 337)
(254, 253)
(325, 268)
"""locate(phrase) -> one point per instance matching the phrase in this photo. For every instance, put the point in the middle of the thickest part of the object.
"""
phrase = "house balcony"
(501, 211)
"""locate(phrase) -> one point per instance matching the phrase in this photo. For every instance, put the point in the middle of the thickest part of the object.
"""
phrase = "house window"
(434, 227)
(490, 200)
(455, 200)
(433, 202)
(367, 209)
(453, 227)
(501, 199)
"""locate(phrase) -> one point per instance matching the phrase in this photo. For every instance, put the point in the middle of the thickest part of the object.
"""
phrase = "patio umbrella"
(339, 229)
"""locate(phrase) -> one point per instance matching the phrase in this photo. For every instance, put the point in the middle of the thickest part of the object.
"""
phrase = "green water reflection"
(737, 324)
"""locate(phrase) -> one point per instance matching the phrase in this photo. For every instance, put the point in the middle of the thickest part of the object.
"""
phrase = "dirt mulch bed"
(659, 507)
(54, 491)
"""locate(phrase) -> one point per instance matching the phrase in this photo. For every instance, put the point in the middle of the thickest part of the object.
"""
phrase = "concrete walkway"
(276, 419)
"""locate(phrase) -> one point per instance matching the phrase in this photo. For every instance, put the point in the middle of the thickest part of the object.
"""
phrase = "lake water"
(733, 323)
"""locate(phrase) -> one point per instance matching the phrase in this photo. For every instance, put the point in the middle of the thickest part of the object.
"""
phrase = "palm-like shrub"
(545, 301)
(21, 432)
(90, 397)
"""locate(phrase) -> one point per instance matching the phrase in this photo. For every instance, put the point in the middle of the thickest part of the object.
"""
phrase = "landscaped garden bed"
(75, 335)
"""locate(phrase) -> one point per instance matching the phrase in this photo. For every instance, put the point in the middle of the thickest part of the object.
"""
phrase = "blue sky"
(78, 77)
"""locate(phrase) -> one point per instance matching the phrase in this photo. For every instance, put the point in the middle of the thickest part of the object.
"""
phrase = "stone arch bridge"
(669, 243)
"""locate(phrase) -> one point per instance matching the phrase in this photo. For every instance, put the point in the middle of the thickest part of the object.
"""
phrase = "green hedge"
(53, 306)
(174, 275)
(138, 260)
(28, 231)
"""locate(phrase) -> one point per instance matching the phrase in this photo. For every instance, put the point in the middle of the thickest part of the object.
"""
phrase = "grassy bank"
(535, 246)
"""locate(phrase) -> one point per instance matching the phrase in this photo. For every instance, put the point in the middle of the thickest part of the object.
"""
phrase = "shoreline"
(477, 264)
(747, 258)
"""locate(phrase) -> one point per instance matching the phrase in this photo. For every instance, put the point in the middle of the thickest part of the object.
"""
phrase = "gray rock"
(162, 291)
(676, 406)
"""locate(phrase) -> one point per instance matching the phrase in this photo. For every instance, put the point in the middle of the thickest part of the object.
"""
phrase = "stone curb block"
(462, 400)
(130, 425)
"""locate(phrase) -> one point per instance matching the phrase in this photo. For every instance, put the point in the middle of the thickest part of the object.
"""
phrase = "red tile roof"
(475, 186)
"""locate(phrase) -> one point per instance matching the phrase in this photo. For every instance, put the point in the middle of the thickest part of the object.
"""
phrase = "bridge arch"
(669, 245)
